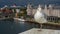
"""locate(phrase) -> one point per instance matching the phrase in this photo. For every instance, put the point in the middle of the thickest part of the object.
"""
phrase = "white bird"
(40, 17)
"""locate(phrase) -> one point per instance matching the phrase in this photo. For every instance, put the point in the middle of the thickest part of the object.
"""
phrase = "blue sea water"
(12, 27)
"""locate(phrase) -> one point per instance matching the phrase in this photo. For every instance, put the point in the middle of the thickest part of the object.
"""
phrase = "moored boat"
(19, 19)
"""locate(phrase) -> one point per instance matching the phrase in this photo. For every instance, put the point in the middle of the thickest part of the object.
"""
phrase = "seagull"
(40, 17)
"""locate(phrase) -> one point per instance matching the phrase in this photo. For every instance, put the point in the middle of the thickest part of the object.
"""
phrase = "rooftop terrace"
(44, 31)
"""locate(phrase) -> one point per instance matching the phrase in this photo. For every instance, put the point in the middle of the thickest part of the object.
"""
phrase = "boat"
(19, 19)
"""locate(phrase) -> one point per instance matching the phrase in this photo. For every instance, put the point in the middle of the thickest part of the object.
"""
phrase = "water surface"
(13, 27)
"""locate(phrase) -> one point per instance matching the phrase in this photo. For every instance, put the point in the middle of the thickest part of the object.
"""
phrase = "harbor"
(28, 20)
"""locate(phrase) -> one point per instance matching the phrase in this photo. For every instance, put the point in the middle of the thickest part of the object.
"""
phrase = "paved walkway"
(44, 31)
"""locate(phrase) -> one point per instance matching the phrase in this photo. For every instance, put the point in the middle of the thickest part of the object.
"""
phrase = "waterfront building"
(29, 10)
(18, 10)
(51, 11)
(34, 11)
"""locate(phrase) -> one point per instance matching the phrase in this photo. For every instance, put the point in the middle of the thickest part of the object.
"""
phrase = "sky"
(25, 2)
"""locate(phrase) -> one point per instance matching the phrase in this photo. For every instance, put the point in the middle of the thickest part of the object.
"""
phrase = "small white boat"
(19, 19)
